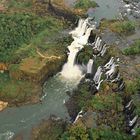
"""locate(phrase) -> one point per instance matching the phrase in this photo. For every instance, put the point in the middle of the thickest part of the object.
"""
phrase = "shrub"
(133, 49)
(125, 27)
(84, 55)
(105, 102)
(107, 134)
(75, 132)
(18, 29)
(19, 4)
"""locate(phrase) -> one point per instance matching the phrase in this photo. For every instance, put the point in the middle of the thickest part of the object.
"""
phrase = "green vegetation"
(15, 91)
(24, 33)
(120, 27)
(44, 41)
(84, 55)
(18, 29)
(79, 132)
(85, 4)
(15, 88)
(132, 86)
(75, 132)
(107, 134)
(133, 49)
(124, 27)
(104, 102)
(19, 3)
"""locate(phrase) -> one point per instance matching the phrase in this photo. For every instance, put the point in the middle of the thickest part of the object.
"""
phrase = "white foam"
(80, 34)
(7, 135)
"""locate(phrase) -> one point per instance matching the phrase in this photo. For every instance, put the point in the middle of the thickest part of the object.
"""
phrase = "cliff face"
(37, 70)
(41, 57)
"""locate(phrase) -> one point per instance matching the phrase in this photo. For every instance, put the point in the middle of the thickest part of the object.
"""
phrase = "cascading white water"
(89, 66)
(71, 71)
(80, 35)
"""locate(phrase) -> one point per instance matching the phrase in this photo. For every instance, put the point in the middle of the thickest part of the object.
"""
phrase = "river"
(20, 120)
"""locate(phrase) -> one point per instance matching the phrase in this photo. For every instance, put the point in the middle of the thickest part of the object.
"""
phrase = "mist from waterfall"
(80, 35)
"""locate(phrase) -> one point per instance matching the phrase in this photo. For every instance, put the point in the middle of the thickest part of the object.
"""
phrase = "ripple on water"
(6, 136)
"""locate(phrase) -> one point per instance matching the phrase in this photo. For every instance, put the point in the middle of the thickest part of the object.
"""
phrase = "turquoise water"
(108, 9)
(20, 120)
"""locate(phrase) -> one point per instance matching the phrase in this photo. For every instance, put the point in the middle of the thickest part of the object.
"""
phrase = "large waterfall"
(80, 35)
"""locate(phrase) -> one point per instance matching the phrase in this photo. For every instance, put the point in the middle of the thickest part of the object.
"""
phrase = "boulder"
(3, 105)
(3, 67)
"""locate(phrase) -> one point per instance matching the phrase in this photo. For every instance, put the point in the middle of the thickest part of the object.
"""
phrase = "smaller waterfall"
(98, 75)
(109, 64)
(80, 30)
(96, 42)
(70, 70)
(80, 35)
(89, 66)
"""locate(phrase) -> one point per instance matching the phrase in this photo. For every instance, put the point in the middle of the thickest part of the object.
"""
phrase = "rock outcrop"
(37, 70)
(3, 105)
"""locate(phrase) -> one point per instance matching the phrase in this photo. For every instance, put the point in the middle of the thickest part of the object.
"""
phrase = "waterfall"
(70, 70)
(80, 35)
(89, 66)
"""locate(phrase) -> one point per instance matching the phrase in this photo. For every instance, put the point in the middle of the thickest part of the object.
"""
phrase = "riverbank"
(38, 50)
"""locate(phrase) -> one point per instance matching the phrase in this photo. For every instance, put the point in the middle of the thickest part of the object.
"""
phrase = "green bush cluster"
(133, 49)
(79, 132)
(125, 27)
(107, 134)
(17, 29)
(84, 55)
(75, 132)
(85, 4)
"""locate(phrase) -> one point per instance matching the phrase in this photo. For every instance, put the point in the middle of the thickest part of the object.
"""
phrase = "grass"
(105, 102)
(75, 132)
(84, 55)
(124, 27)
(133, 49)
(84, 4)
(107, 134)
(40, 41)
(79, 131)
(20, 4)
(30, 30)
(132, 86)
(120, 27)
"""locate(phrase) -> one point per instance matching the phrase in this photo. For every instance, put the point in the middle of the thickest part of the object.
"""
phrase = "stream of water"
(20, 120)
(108, 9)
